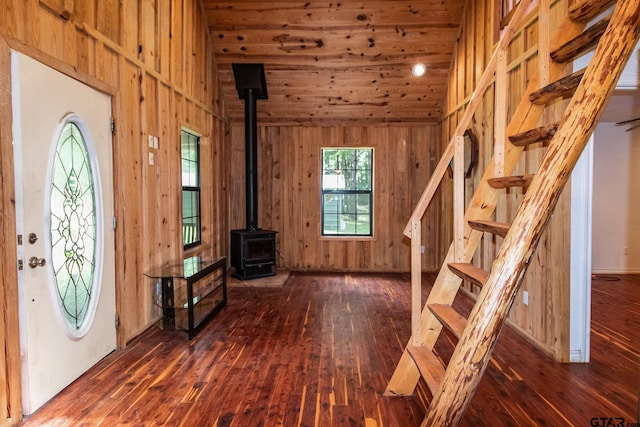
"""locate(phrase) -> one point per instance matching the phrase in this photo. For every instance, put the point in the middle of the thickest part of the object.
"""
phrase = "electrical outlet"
(150, 158)
(525, 297)
(421, 249)
(150, 141)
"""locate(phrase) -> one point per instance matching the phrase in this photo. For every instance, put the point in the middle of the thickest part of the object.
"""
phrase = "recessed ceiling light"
(418, 70)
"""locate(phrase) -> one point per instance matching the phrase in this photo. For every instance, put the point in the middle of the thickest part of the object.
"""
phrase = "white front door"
(64, 207)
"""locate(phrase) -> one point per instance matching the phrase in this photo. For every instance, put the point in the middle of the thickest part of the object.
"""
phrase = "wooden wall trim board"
(63, 67)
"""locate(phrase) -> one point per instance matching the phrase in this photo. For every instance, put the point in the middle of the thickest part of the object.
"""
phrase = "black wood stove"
(253, 250)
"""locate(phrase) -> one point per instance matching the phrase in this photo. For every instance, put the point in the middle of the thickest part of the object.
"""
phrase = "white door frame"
(580, 270)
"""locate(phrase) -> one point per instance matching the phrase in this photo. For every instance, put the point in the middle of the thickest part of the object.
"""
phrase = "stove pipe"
(251, 158)
(251, 86)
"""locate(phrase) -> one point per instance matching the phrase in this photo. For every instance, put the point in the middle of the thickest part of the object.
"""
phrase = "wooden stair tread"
(449, 317)
(586, 10)
(532, 136)
(561, 88)
(469, 272)
(511, 181)
(580, 44)
(499, 228)
(430, 367)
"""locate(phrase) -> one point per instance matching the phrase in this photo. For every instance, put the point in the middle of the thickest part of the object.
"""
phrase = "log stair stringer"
(453, 387)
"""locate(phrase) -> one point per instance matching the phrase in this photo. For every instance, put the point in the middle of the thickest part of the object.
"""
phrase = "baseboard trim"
(617, 271)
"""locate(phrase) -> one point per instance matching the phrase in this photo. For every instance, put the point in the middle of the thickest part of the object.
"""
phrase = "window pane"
(191, 218)
(364, 170)
(190, 160)
(363, 214)
(347, 191)
(189, 146)
(332, 214)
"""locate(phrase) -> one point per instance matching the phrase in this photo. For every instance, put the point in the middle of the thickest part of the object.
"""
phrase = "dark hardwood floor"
(319, 352)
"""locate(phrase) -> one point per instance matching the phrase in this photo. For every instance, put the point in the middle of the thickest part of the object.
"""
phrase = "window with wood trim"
(191, 218)
(347, 191)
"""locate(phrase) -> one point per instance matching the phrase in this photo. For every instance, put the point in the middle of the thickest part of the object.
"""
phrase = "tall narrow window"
(347, 191)
(191, 219)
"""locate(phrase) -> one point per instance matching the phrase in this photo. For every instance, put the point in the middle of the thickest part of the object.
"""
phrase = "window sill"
(348, 238)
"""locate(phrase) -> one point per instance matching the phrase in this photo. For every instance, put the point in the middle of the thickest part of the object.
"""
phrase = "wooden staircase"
(453, 387)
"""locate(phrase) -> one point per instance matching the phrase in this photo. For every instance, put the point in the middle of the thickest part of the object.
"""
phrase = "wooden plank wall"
(289, 168)
(156, 60)
(545, 319)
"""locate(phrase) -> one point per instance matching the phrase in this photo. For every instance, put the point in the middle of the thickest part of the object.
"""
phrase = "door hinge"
(117, 321)
(114, 223)
(19, 239)
(113, 126)
(20, 265)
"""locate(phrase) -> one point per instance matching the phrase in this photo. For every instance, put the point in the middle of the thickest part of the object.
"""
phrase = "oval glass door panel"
(74, 227)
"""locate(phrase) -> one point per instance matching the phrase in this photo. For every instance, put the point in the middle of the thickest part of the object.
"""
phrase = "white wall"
(616, 200)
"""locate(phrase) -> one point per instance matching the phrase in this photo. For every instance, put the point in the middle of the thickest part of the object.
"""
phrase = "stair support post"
(544, 47)
(416, 280)
(500, 113)
(472, 353)
(458, 197)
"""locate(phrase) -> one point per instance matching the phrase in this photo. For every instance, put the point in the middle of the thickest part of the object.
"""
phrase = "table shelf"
(189, 293)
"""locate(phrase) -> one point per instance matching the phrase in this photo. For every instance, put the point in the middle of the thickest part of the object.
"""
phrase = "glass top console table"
(190, 292)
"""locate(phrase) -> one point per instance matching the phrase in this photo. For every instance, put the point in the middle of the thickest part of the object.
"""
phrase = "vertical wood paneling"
(177, 44)
(289, 168)
(469, 53)
(86, 12)
(85, 60)
(480, 51)
(545, 319)
(12, 19)
(155, 59)
(164, 43)
(148, 49)
(168, 176)
(127, 168)
(220, 208)
(108, 21)
(187, 43)
(107, 65)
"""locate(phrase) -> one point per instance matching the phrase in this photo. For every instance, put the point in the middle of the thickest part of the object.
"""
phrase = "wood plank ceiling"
(338, 62)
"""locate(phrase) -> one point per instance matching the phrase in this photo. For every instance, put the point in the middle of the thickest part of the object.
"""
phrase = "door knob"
(35, 262)
(33, 238)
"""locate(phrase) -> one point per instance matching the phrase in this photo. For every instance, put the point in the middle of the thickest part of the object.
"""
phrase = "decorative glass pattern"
(73, 225)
